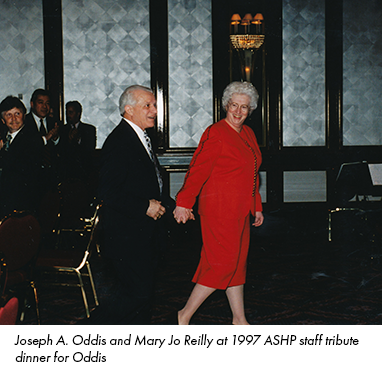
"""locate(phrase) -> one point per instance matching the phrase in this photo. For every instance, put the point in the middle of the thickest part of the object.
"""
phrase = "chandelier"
(247, 36)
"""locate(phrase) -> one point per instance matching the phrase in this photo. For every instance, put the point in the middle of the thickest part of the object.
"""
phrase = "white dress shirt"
(14, 134)
(38, 122)
(141, 135)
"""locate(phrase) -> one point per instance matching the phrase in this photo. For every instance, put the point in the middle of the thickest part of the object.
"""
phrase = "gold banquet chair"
(77, 201)
(72, 262)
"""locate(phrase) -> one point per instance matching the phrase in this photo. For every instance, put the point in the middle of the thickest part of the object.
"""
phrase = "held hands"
(155, 210)
(182, 214)
(259, 219)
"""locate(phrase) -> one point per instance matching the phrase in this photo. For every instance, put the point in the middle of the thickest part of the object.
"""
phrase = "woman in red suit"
(224, 174)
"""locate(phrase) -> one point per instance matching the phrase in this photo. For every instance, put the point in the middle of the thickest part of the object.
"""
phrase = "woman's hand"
(259, 219)
(182, 214)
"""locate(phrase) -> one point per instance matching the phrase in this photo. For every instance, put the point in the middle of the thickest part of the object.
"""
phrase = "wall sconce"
(247, 36)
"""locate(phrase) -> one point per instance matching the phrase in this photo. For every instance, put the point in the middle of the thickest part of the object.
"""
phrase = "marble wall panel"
(303, 73)
(21, 49)
(106, 49)
(362, 75)
(190, 71)
(305, 186)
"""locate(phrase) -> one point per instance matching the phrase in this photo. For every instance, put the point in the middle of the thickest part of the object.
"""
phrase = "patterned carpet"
(295, 276)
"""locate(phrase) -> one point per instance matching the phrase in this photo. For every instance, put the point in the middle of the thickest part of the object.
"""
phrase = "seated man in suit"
(131, 189)
(77, 144)
(20, 157)
(38, 120)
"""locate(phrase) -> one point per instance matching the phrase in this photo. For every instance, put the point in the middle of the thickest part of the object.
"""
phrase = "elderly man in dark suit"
(20, 156)
(131, 189)
(77, 144)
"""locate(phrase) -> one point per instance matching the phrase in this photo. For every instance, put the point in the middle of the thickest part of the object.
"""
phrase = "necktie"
(7, 142)
(154, 160)
(47, 156)
(42, 128)
(73, 134)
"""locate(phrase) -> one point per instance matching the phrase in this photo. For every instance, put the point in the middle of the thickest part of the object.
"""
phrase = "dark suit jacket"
(31, 125)
(50, 175)
(76, 155)
(20, 176)
(86, 137)
(127, 182)
(132, 241)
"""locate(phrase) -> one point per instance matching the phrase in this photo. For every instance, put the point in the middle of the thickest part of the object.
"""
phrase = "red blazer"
(223, 172)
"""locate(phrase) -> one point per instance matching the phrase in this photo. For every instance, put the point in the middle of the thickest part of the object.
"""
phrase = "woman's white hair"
(241, 88)
(128, 97)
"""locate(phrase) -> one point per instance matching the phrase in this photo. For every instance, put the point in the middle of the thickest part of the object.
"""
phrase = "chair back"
(19, 240)
(77, 202)
(94, 232)
(49, 211)
(3, 275)
(8, 313)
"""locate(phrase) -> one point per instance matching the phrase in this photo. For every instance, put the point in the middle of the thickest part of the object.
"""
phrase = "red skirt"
(223, 259)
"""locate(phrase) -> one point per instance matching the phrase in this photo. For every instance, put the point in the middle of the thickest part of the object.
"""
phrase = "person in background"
(77, 144)
(20, 157)
(38, 120)
(223, 173)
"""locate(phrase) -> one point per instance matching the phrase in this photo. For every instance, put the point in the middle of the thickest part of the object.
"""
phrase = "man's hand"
(155, 210)
(259, 219)
(73, 134)
(53, 133)
(1, 144)
(182, 214)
